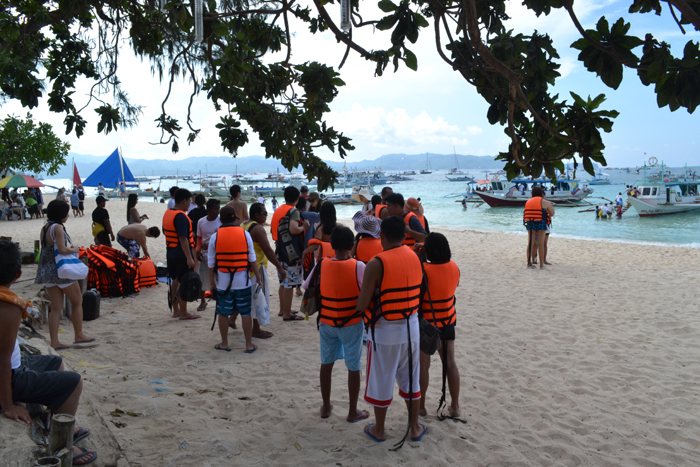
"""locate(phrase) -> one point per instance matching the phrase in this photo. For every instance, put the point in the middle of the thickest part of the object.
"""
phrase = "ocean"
(680, 230)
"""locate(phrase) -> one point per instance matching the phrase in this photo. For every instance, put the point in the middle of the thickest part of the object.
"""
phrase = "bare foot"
(454, 411)
(189, 316)
(547, 263)
(422, 412)
(326, 411)
(299, 293)
(357, 416)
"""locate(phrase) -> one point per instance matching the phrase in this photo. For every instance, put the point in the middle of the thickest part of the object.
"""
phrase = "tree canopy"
(227, 55)
(29, 147)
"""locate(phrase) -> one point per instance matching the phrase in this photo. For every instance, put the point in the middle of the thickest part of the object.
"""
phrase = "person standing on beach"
(239, 206)
(231, 257)
(171, 201)
(274, 203)
(101, 227)
(264, 254)
(536, 218)
(294, 273)
(392, 282)
(122, 190)
(81, 200)
(132, 214)
(261, 199)
(100, 190)
(74, 200)
(206, 227)
(380, 210)
(179, 243)
(340, 326)
(414, 205)
(414, 229)
(438, 308)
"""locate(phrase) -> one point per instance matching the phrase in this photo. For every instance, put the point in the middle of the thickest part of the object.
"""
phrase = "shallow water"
(675, 230)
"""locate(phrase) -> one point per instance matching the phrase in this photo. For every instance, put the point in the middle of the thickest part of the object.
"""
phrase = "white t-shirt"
(261, 200)
(207, 228)
(241, 280)
(171, 203)
(604, 209)
(16, 360)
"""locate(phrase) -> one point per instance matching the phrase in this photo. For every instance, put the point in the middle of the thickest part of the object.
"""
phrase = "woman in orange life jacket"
(328, 220)
(380, 209)
(442, 275)
(536, 218)
(414, 229)
(367, 242)
(340, 327)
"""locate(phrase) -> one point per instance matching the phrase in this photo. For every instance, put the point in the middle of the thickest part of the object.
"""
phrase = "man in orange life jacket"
(413, 205)
(295, 275)
(380, 210)
(414, 229)
(231, 255)
(177, 229)
(341, 337)
(392, 279)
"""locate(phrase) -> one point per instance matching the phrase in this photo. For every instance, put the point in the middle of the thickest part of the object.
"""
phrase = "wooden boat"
(668, 196)
(566, 191)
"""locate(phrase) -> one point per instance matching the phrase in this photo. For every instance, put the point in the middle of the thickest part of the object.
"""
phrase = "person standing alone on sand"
(536, 218)
(101, 227)
(392, 281)
(239, 206)
(179, 243)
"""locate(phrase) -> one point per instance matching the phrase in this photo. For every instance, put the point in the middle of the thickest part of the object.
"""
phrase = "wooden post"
(65, 457)
(61, 434)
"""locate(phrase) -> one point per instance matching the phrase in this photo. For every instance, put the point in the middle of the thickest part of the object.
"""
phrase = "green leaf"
(588, 166)
(410, 59)
(386, 6)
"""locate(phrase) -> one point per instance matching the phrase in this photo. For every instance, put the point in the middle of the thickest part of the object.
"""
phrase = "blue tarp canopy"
(109, 172)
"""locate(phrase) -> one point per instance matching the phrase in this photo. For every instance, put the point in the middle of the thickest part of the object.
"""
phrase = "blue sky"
(431, 110)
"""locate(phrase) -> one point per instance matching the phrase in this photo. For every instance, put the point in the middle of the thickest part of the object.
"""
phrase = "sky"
(431, 110)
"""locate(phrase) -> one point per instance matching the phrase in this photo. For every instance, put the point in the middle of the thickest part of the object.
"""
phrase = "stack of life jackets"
(111, 272)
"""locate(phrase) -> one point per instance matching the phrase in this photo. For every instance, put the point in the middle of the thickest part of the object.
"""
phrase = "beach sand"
(593, 361)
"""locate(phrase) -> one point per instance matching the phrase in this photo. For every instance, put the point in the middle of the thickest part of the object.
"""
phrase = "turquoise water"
(675, 230)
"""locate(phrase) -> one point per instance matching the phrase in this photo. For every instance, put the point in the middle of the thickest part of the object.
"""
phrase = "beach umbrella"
(17, 181)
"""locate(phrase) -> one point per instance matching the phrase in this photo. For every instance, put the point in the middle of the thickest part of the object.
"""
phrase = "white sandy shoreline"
(593, 362)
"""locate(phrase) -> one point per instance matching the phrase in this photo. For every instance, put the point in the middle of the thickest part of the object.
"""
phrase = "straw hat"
(412, 204)
(365, 224)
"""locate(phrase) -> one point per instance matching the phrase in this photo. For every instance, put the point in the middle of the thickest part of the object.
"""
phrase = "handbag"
(311, 301)
(429, 332)
(260, 302)
(68, 266)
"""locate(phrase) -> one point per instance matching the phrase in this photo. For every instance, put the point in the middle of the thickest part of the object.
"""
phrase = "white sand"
(594, 361)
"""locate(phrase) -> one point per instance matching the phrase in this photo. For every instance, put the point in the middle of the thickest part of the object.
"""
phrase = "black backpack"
(288, 247)
(190, 287)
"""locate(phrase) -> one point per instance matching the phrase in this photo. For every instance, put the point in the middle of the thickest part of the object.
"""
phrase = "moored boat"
(564, 192)
(658, 198)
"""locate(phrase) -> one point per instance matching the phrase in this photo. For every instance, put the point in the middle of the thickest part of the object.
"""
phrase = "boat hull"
(650, 210)
(496, 201)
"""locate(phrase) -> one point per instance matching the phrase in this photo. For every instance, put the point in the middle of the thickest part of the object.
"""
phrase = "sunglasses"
(264, 213)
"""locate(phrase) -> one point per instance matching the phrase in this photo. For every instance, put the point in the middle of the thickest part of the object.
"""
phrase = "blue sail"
(109, 172)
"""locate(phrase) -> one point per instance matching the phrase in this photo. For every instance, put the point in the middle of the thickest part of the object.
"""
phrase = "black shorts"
(447, 333)
(177, 268)
(38, 381)
(81, 206)
(103, 239)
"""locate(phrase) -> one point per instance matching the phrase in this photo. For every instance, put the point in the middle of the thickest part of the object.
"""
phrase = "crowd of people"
(28, 203)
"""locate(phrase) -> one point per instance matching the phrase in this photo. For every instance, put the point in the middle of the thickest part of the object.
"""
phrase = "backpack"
(190, 287)
(288, 247)
(311, 301)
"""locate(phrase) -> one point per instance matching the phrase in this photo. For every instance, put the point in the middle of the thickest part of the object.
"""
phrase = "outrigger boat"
(658, 198)
(566, 192)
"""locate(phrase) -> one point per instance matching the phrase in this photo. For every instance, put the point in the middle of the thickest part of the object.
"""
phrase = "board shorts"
(536, 225)
(132, 248)
(342, 343)
(295, 276)
(447, 333)
(177, 268)
(38, 381)
(389, 363)
(235, 301)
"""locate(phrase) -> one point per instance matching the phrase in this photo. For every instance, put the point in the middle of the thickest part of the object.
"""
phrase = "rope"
(400, 444)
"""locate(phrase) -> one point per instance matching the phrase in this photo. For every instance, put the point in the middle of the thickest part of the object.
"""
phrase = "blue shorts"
(132, 248)
(334, 340)
(235, 301)
(536, 225)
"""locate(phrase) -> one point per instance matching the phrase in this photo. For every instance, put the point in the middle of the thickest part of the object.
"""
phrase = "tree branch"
(687, 11)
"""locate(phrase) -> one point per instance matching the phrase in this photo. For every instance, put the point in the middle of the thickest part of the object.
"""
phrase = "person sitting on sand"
(237, 204)
(392, 281)
(438, 307)
(536, 218)
(133, 237)
(231, 256)
(340, 326)
(101, 227)
(179, 242)
(37, 379)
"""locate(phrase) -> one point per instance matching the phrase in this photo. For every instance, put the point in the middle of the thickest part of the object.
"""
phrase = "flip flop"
(86, 341)
(218, 347)
(83, 453)
(82, 434)
(264, 335)
(293, 318)
(62, 347)
(425, 430)
(371, 435)
(202, 307)
(255, 347)
(190, 317)
(365, 416)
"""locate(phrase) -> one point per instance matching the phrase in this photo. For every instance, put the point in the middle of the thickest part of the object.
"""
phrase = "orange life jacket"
(147, 272)
(368, 248)
(378, 210)
(231, 249)
(442, 284)
(327, 249)
(399, 294)
(339, 292)
(170, 232)
(421, 218)
(534, 211)
(409, 241)
(280, 212)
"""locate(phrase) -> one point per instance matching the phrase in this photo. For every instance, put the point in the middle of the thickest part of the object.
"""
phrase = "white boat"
(565, 192)
(428, 169)
(658, 198)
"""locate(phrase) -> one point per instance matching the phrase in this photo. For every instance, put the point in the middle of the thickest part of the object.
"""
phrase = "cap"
(367, 224)
(413, 204)
(100, 199)
(304, 188)
(314, 195)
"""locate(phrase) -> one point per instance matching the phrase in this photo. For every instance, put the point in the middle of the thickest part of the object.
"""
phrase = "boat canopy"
(110, 172)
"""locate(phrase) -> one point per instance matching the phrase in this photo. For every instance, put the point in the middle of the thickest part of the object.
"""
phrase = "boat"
(456, 175)
(600, 179)
(565, 192)
(428, 168)
(112, 172)
(663, 197)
